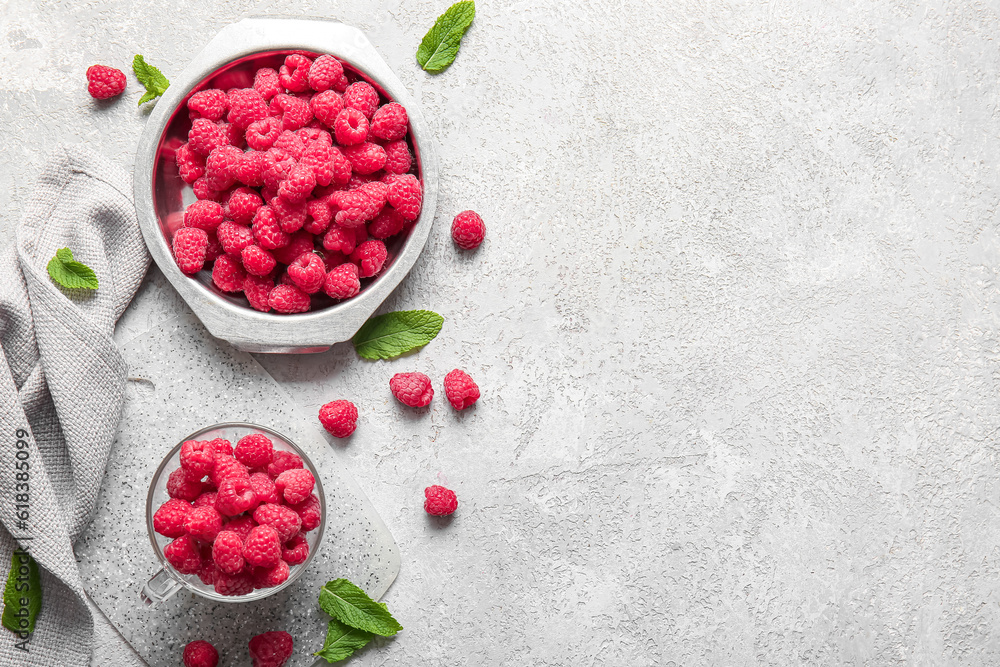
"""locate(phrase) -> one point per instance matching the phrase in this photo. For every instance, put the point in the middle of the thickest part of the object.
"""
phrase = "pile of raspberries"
(238, 517)
(300, 180)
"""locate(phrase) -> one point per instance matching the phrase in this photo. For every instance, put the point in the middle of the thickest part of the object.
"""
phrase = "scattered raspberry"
(460, 389)
(235, 496)
(210, 104)
(254, 450)
(205, 215)
(104, 82)
(340, 418)
(170, 518)
(204, 523)
(263, 488)
(268, 577)
(205, 136)
(227, 552)
(266, 82)
(406, 196)
(387, 223)
(294, 485)
(366, 158)
(190, 245)
(370, 256)
(389, 122)
(468, 230)
(257, 290)
(361, 96)
(282, 461)
(350, 127)
(197, 457)
(326, 106)
(283, 519)
(182, 484)
(243, 205)
(440, 501)
(233, 584)
(294, 74)
(309, 511)
(413, 389)
(262, 547)
(397, 157)
(324, 72)
(271, 649)
(343, 282)
(246, 106)
(289, 299)
(228, 274)
(200, 654)
(183, 555)
(257, 261)
(295, 551)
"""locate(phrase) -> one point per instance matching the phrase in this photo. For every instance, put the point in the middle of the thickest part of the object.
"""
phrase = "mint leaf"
(349, 604)
(440, 45)
(390, 335)
(69, 273)
(342, 641)
(22, 597)
(156, 84)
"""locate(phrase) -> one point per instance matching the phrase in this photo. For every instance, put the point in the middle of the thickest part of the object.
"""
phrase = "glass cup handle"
(161, 586)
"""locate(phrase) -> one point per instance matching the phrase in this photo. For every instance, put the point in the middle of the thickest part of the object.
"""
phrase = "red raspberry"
(468, 230)
(294, 485)
(263, 488)
(291, 215)
(228, 274)
(366, 158)
(460, 389)
(440, 501)
(206, 499)
(169, 519)
(241, 525)
(283, 461)
(299, 243)
(342, 282)
(406, 196)
(227, 467)
(254, 450)
(290, 142)
(242, 205)
(268, 577)
(190, 245)
(413, 389)
(214, 250)
(307, 272)
(234, 134)
(266, 82)
(183, 554)
(203, 189)
(198, 457)
(200, 654)
(104, 82)
(324, 72)
(309, 511)
(289, 299)
(267, 231)
(361, 96)
(318, 217)
(340, 418)
(319, 157)
(389, 122)
(233, 237)
(190, 165)
(246, 106)
(294, 74)
(184, 485)
(221, 166)
(234, 584)
(340, 239)
(387, 223)
(271, 649)
(370, 257)
(210, 104)
(203, 214)
(350, 127)
(282, 519)
(262, 134)
(235, 496)
(295, 551)
(397, 157)
(298, 185)
(262, 547)
(377, 193)
(205, 136)
(295, 112)
(222, 447)
(208, 572)
(250, 170)
(342, 84)
(315, 135)
(342, 168)
(326, 106)
(257, 290)
(257, 261)
(204, 523)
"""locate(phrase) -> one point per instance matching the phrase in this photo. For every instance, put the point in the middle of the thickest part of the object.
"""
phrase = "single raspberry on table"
(257, 290)
(254, 450)
(246, 106)
(269, 577)
(365, 158)
(342, 282)
(281, 518)
(204, 523)
(468, 230)
(200, 653)
(242, 205)
(326, 106)
(190, 245)
(307, 272)
(235, 496)
(266, 82)
(211, 104)
(412, 389)
(460, 389)
(228, 274)
(389, 122)
(262, 547)
(198, 457)
(350, 127)
(234, 584)
(170, 518)
(203, 214)
(439, 501)
(340, 418)
(227, 552)
(104, 82)
(289, 299)
(295, 551)
(361, 96)
(406, 196)
(257, 261)
(271, 649)
(309, 512)
(263, 488)
(370, 257)
(205, 136)
(282, 461)
(183, 555)
(295, 485)
(294, 73)
(324, 72)
(184, 485)
(233, 237)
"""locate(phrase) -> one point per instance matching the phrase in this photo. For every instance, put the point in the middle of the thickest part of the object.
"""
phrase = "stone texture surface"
(735, 321)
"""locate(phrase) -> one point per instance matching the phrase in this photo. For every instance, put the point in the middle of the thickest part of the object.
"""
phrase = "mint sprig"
(156, 84)
(440, 45)
(22, 597)
(342, 641)
(392, 334)
(69, 273)
(350, 605)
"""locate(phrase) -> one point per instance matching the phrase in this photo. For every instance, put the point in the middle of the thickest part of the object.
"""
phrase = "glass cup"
(167, 581)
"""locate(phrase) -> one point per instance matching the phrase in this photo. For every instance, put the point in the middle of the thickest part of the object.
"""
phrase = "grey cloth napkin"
(62, 385)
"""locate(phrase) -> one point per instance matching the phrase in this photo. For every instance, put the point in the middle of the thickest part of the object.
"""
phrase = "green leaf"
(22, 597)
(69, 273)
(392, 334)
(349, 604)
(440, 45)
(156, 84)
(342, 641)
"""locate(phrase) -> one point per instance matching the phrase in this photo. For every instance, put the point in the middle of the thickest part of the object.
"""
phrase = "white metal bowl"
(160, 194)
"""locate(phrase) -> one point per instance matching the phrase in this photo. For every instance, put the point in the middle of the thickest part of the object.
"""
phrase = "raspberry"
(234, 134)
(340, 418)
(276, 165)
(234, 584)
(296, 112)
(291, 215)
(257, 261)
(241, 525)
(204, 523)
(104, 82)
(294, 74)
(271, 649)
(268, 577)
(246, 106)
(254, 450)
(222, 447)
(370, 257)
(262, 134)
(299, 243)
(307, 272)
(197, 457)
(387, 223)
(221, 166)
(315, 135)
(294, 485)
(342, 84)
(288, 299)
(190, 245)
(406, 196)
(227, 552)
(203, 214)
(257, 290)
(267, 231)
(200, 654)
(282, 461)
(319, 157)
(350, 127)
(184, 485)
(389, 122)
(324, 72)
(214, 250)
(210, 104)
(295, 551)
(228, 274)
(190, 165)
(439, 501)
(266, 82)
(361, 96)
(366, 158)
(250, 170)
(397, 157)
(242, 205)
(318, 217)
(342, 282)
(340, 239)
(298, 185)
(234, 238)
(206, 499)
(208, 571)
(326, 106)
(460, 389)
(262, 547)
(169, 519)
(290, 142)
(205, 136)
(227, 467)
(342, 168)
(309, 511)
(263, 488)
(282, 519)
(413, 389)
(235, 496)
(377, 193)
(468, 230)
(183, 554)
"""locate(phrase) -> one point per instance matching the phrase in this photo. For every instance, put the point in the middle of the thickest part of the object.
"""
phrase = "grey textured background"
(735, 321)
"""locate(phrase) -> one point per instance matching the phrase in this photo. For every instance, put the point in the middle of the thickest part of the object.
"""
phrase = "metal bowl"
(160, 194)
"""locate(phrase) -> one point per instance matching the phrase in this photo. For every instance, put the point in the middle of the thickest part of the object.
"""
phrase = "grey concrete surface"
(735, 321)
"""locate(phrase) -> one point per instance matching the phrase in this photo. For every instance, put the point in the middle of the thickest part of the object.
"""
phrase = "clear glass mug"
(167, 581)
